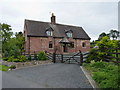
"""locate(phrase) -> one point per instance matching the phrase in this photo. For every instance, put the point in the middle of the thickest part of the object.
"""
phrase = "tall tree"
(20, 41)
(6, 32)
(114, 34)
(102, 35)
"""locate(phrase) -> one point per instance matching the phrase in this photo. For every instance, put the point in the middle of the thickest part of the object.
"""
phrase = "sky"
(94, 16)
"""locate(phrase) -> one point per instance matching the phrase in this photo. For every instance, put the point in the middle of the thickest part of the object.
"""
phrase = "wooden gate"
(76, 58)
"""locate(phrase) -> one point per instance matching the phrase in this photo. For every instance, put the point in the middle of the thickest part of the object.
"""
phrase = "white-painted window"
(69, 34)
(49, 33)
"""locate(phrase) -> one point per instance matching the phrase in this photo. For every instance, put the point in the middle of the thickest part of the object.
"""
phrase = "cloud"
(94, 17)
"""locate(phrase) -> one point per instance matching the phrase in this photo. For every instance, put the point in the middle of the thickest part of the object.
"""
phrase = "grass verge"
(4, 68)
(105, 74)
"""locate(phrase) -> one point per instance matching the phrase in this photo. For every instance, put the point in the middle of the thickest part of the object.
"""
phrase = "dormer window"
(69, 34)
(49, 33)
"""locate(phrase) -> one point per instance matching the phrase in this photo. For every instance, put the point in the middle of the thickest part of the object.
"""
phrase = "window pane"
(50, 44)
(69, 34)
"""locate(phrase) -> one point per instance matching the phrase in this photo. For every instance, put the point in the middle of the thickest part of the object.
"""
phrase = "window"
(50, 44)
(49, 33)
(83, 44)
(72, 45)
(69, 34)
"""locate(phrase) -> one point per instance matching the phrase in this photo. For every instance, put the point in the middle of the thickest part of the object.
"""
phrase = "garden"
(13, 47)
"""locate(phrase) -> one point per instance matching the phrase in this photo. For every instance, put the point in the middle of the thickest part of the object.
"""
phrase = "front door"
(65, 48)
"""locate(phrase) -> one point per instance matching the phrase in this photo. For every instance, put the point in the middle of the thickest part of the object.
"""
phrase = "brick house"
(51, 37)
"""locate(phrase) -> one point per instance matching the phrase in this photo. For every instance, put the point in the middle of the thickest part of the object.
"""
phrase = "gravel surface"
(48, 76)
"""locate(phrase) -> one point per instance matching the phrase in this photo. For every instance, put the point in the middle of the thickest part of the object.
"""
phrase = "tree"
(102, 35)
(11, 46)
(6, 32)
(20, 41)
(114, 34)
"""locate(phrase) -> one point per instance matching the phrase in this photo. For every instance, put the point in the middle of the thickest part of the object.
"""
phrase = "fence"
(78, 57)
(114, 55)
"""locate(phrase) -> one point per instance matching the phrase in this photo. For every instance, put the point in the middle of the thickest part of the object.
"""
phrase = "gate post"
(54, 57)
(61, 58)
(81, 58)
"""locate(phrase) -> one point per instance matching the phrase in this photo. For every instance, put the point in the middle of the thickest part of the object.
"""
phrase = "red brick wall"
(42, 44)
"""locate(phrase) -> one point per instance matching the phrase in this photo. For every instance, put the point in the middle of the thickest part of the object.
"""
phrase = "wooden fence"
(114, 55)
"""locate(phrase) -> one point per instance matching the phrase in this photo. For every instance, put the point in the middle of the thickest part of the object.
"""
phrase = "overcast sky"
(95, 16)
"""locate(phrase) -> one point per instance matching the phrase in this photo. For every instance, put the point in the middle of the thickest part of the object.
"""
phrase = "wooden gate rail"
(71, 57)
(116, 53)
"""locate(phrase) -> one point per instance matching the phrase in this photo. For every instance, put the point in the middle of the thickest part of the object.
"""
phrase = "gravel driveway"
(47, 76)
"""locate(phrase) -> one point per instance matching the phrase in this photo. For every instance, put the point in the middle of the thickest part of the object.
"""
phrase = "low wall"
(26, 64)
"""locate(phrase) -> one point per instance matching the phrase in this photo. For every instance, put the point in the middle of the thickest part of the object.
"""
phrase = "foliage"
(11, 46)
(4, 68)
(12, 67)
(102, 35)
(29, 58)
(114, 34)
(22, 58)
(35, 56)
(93, 55)
(42, 56)
(10, 59)
(18, 59)
(100, 53)
(105, 74)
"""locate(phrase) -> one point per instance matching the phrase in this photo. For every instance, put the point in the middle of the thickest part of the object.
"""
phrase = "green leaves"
(105, 74)
(11, 46)
(42, 56)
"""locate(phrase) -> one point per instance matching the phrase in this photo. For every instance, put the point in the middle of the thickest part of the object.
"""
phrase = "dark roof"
(38, 28)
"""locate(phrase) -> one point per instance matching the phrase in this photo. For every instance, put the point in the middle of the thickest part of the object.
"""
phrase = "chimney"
(53, 19)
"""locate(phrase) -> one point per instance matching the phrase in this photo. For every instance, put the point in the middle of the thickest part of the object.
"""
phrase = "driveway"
(46, 76)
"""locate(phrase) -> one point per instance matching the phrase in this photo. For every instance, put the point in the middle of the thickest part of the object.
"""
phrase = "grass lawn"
(105, 74)
(4, 68)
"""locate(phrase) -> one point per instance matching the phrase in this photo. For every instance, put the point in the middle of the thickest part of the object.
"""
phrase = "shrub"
(22, 58)
(93, 55)
(42, 56)
(29, 58)
(98, 64)
(105, 74)
(4, 67)
(10, 59)
(35, 57)
(5, 58)
(12, 66)
(15, 60)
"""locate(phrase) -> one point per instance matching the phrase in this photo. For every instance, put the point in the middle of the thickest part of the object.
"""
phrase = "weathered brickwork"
(42, 44)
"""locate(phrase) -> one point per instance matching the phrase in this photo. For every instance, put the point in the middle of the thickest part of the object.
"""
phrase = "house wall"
(42, 44)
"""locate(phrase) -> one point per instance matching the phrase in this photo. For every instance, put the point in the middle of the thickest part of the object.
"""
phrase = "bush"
(15, 60)
(29, 58)
(105, 74)
(23, 58)
(12, 67)
(4, 68)
(18, 59)
(35, 57)
(42, 56)
(5, 58)
(10, 59)
(93, 55)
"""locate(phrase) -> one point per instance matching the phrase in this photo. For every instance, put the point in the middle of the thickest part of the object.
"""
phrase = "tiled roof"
(38, 28)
